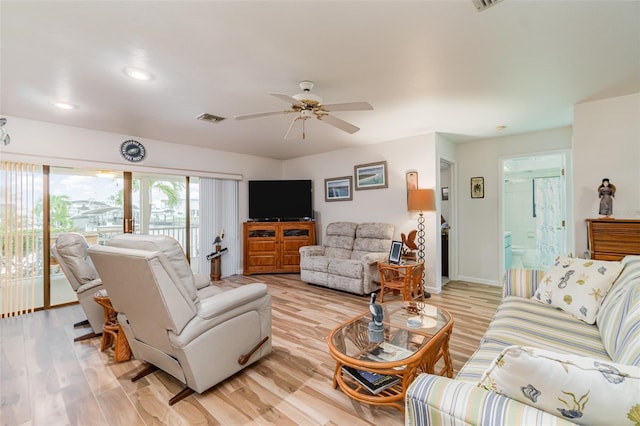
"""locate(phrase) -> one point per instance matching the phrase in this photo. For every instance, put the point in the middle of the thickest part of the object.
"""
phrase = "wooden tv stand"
(272, 247)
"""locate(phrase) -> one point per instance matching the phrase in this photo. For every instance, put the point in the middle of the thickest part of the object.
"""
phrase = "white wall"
(45, 143)
(387, 205)
(606, 144)
(478, 232)
(63, 146)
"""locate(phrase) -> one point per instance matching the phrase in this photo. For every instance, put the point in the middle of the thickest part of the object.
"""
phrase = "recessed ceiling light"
(138, 74)
(63, 105)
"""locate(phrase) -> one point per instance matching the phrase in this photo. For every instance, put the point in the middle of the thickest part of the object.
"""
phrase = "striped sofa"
(435, 400)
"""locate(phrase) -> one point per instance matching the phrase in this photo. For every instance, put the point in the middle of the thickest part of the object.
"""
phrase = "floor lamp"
(421, 200)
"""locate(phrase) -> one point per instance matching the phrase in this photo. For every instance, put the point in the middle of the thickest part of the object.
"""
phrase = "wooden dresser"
(613, 239)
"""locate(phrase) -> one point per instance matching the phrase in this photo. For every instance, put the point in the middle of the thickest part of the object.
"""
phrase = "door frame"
(452, 220)
(569, 223)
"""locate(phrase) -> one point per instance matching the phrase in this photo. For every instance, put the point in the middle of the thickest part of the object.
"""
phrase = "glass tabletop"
(406, 328)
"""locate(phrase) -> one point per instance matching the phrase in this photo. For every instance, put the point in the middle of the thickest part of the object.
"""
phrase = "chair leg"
(83, 323)
(146, 370)
(87, 336)
(242, 360)
(180, 395)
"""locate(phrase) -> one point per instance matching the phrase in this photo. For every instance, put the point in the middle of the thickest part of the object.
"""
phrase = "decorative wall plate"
(132, 151)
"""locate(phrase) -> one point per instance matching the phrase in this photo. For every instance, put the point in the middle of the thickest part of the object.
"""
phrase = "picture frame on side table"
(477, 187)
(371, 175)
(338, 189)
(395, 253)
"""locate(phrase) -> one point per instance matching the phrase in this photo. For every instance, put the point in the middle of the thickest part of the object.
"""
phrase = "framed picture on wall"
(477, 187)
(445, 193)
(371, 175)
(412, 182)
(338, 189)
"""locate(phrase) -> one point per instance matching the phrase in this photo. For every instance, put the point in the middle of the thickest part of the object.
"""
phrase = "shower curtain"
(548, 208)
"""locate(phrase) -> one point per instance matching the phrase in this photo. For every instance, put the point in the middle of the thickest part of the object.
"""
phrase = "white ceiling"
(424, 66)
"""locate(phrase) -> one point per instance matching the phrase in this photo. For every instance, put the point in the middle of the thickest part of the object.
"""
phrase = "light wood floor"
(47, 379)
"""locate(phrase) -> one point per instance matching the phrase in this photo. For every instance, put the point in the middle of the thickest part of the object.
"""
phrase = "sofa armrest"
(201, 280)
(222, 307)
(439, 400)
(373, 258)
(521, 282)
(221, 303)
(89, 286)
(311, 251)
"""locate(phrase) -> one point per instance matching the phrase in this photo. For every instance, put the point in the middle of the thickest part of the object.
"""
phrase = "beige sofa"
(565, 370)
(347, 259)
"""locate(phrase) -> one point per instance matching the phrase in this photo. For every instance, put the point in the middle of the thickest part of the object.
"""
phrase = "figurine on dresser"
(606, 192)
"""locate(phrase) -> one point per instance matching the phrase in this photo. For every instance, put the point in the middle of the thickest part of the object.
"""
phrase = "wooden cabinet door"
(261, 248)
(293, 236)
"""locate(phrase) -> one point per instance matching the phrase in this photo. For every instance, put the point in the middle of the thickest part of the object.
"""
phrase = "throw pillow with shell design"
(578, 286)
(584, 390)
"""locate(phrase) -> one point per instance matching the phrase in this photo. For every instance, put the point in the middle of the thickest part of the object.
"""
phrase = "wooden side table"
(405, 277)
(112, 333)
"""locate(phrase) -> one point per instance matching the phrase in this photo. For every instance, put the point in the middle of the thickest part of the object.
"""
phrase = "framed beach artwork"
(338, 189)
(371, 175)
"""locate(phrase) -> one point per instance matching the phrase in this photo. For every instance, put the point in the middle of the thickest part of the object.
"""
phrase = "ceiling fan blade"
(348, 106)
(288, 99)
(339, 123)
(290, 133)
(260, 114)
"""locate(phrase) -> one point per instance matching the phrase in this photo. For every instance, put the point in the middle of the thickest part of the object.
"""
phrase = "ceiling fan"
(307, 105)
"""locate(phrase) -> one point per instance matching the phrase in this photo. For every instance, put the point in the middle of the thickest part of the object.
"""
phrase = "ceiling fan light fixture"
(308, 99)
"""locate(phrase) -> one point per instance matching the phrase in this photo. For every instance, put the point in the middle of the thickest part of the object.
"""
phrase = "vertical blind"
(219, 211)
(20, 240)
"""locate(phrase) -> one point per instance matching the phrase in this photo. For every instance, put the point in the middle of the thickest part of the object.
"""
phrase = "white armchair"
(71, 252)
(200, 337)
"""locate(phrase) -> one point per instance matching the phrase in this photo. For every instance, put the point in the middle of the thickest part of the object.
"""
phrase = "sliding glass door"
(96, 203)
(86, 201)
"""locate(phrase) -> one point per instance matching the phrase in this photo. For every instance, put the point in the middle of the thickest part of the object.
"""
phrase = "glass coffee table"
(375, 365)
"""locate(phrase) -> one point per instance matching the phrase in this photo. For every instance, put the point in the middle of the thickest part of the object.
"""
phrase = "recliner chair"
(71, 252)
(200, 337)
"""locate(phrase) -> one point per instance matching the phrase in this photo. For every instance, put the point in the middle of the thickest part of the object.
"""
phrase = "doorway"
(446, 219)
(534, 210)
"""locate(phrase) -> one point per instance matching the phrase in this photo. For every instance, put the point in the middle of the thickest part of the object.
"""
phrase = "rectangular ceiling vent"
(210, 118)
(483, 4)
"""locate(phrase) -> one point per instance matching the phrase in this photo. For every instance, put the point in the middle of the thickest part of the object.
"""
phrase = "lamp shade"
(421, 200)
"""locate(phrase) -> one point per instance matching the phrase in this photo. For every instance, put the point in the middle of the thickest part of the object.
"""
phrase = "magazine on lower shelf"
(388, 352)
(373, 382)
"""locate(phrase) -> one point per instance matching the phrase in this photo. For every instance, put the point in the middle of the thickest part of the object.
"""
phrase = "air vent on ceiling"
(210, 118)
(483, 4)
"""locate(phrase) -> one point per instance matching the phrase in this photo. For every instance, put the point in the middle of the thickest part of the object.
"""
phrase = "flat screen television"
(280, 200)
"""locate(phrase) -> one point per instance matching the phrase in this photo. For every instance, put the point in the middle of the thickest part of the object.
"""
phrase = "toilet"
(516, 256)
(524, 257)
